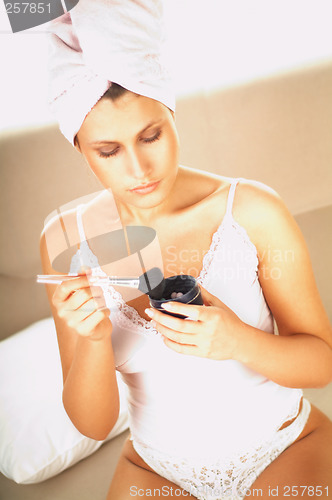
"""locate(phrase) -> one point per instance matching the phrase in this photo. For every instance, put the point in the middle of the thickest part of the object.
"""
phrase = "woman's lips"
(145, 188)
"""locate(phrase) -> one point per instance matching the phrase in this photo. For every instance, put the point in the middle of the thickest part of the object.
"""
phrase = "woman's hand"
(82, 306)
(214, 333)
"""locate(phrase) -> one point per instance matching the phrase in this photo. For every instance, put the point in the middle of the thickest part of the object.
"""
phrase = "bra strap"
(80, 223)
(230, 198)
(84, 255)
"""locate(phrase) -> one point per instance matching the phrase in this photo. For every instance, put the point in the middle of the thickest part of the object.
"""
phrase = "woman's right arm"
(90, 391)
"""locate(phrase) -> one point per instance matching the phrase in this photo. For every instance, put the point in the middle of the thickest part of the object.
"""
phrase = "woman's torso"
(171, 391)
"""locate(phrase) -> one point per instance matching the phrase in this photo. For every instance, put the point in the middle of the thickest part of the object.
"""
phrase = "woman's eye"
(107, 154)
(147, 140)
(155, 137)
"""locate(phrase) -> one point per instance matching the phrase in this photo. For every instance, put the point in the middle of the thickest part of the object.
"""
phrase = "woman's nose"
(136, 166)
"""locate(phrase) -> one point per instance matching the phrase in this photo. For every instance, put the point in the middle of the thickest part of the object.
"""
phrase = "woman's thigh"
(304, 469)
(131, 480)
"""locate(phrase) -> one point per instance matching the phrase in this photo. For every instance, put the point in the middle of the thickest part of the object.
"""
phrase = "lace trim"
(128, 315)
(226, 477)
(217, 242)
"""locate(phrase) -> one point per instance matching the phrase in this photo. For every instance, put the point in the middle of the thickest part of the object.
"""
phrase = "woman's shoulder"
(257, 201)
(263, 213)
(59, 236)
(90, 208)
(217, 182)
(255, 206)
(254, 188)
(250, 195)
(62, 233)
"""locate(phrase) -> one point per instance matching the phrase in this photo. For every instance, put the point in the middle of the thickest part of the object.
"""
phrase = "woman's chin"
(146, 202)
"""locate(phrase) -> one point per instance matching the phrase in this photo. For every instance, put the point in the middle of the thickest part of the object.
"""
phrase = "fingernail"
(149, 312)
(167, 305)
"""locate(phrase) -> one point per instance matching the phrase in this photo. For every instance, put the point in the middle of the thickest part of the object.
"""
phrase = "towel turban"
(103, 41)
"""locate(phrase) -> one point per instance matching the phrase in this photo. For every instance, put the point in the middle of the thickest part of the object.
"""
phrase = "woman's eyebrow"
(150, 124)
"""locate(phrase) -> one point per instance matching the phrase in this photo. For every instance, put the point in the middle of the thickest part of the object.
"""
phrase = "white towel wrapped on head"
(103, 41)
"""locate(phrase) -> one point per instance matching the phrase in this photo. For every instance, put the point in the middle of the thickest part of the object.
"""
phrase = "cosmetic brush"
(151, 282)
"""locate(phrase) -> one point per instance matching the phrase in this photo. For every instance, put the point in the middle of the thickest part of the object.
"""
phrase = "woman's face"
(132, 147)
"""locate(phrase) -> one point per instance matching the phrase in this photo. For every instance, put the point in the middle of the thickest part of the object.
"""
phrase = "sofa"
(276, 130)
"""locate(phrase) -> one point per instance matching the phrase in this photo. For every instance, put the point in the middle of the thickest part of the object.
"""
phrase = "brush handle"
(56, 279)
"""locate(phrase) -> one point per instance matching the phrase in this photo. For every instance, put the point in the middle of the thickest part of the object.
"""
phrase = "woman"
(131, 144)
(216, 407)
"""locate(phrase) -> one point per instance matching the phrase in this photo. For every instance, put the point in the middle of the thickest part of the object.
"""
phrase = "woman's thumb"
(209, 299)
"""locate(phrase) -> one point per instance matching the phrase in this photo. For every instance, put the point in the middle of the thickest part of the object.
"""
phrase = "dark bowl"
(181, 283)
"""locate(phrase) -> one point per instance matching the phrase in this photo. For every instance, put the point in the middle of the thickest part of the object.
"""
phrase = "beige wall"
(277, 130)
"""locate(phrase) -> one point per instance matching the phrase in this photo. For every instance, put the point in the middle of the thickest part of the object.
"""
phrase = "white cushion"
(37, 438)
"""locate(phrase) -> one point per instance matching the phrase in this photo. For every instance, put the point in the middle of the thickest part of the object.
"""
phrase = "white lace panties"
(229, 477)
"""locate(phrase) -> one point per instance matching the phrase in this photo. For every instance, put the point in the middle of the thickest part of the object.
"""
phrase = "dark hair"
(114, 92)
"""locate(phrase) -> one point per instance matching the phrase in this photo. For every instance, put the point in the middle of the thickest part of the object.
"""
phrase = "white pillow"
(37, 438)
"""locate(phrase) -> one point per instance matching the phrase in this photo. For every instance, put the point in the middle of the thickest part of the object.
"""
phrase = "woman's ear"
(172, 112)
(76, 144)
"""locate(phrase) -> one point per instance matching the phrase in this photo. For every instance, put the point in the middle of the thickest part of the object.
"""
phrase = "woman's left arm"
(301, 355)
